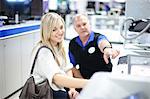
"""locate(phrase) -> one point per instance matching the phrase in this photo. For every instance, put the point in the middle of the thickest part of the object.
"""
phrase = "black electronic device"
(139, 25)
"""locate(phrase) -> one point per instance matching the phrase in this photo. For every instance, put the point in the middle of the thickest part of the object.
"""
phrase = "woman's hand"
(73, 93)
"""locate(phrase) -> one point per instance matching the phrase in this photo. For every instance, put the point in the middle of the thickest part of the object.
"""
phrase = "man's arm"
(107, 49)
(103, 44)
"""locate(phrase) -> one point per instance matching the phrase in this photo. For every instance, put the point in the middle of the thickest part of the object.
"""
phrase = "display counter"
(16, 44)
(18, 29)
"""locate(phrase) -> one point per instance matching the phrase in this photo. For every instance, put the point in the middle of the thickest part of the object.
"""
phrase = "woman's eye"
(61, 27)
(54, 30)
(84, 24)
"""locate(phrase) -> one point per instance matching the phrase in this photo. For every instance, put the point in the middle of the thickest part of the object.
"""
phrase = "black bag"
(36, 91)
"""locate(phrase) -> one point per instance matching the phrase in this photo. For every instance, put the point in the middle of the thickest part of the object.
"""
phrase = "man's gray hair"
(78, 15)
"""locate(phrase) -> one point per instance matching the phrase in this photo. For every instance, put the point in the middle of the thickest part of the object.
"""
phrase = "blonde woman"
(53, 64)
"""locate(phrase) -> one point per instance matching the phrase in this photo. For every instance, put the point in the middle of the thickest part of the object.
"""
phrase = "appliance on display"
(136, 24)
(141, 26)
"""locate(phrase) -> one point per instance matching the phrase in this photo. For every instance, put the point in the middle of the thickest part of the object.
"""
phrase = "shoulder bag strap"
(37, 56)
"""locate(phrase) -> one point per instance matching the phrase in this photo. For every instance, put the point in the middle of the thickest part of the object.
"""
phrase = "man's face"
(82, 26)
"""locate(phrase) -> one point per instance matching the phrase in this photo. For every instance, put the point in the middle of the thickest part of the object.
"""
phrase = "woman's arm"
(69, 82)
(72, 92)
(69, 73)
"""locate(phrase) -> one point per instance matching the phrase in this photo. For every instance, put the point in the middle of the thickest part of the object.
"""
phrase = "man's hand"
(76, 73)
(110, 53)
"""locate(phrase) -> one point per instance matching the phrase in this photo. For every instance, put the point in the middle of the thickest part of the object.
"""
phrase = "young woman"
(52, 64)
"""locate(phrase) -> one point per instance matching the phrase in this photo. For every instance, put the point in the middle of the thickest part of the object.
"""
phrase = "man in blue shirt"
(89, 51)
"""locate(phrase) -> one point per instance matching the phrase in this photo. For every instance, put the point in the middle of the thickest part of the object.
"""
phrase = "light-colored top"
(46, 67)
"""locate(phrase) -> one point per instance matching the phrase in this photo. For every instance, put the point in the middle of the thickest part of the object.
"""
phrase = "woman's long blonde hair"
(48, 22)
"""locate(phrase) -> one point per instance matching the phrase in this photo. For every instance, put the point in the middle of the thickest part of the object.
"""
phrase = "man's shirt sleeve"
(72, 59)
(101, 37)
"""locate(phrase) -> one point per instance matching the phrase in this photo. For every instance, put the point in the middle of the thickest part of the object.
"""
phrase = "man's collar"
(91, 38)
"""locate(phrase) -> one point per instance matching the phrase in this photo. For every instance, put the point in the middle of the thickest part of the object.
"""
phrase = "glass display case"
(135, 41)
(106, 22)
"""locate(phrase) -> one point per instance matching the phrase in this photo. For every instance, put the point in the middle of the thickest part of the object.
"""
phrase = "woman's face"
(57, 34)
